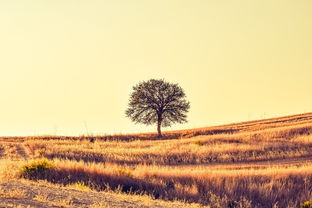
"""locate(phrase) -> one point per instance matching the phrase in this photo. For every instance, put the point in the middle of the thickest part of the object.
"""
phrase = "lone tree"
(157, 101)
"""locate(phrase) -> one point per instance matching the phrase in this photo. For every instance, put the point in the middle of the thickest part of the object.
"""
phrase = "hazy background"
(68, 65)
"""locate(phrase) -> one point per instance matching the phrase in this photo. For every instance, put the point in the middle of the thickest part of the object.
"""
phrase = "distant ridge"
(305, 118)
(300, 120)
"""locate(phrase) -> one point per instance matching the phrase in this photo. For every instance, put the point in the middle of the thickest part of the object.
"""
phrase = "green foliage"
(307, 204)
(36, 169)
(157, 101)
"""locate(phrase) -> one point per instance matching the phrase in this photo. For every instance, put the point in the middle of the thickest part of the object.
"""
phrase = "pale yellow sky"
(68, 64)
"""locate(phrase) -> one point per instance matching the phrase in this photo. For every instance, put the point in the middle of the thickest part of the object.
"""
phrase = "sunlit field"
(265, 163)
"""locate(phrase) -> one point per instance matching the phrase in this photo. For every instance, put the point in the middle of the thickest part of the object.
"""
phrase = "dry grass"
(44, 194)
(13, 194)
(253, 164)
(262, 185)
(242, 147)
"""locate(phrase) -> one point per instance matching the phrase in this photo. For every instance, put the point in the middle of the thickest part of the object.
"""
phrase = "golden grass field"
(265, 163)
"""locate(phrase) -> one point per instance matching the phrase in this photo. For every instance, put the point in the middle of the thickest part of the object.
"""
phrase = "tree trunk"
(158, 128)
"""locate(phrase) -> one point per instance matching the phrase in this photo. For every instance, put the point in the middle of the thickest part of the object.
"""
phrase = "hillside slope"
(260, 163)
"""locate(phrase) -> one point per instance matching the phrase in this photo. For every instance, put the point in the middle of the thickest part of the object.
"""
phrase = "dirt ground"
(22, 193)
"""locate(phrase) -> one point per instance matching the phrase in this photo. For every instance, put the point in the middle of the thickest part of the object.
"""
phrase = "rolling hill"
(263, 163)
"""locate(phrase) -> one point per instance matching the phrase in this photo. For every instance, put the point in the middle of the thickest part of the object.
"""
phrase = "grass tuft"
(307, 204)
(80, 185)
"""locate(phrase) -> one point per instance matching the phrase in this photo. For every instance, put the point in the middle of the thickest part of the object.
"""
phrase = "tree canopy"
(157, 101)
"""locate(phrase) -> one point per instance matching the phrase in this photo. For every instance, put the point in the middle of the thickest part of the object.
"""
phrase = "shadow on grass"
(260, 190)
(121, 181)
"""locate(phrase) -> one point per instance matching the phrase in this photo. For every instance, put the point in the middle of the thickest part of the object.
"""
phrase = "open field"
(264, 163)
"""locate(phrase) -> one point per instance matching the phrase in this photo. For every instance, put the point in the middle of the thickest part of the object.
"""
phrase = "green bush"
(37, 169)
(307, 204)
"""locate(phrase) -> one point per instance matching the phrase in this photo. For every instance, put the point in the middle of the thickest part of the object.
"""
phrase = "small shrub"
(199, 143)
(92, 139)
(36, 169)
(307, 204)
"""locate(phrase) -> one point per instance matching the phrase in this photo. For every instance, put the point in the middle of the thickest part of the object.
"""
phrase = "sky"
(67, 67)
